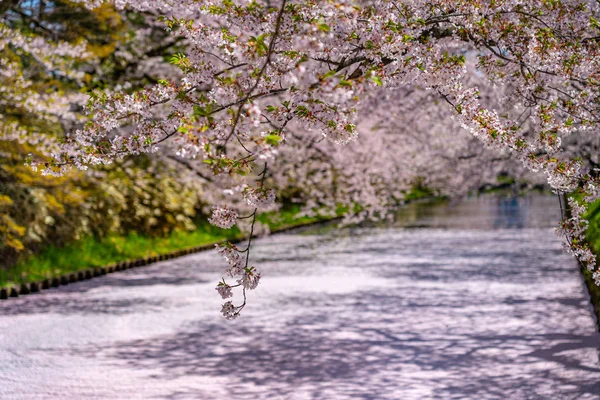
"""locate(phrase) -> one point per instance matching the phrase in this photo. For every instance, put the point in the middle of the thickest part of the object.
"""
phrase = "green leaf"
(329, 74)
(324, 28)
(259, 43)
(273, 139)
(376, 80)
(301, 111)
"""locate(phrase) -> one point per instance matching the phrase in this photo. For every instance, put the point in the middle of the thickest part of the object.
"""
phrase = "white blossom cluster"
(250, 279)
(233, 258)
(224, 290)
(223, 217)
(229, 311)
(247, 277)
(257, 197)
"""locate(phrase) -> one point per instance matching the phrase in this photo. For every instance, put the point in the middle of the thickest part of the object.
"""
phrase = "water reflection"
(510, 213)
(484, 212)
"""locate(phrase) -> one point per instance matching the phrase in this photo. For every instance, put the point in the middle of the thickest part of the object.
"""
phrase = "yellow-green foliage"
(140, 195)
(145, 196)
(593, 232)
(10, 232)
(38, 212)
(96, 252)
(34, 208)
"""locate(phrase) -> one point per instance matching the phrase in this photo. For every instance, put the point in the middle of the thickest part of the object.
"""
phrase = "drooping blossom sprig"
(247, 277)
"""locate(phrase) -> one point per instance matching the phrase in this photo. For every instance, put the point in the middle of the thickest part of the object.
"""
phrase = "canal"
(473, 300)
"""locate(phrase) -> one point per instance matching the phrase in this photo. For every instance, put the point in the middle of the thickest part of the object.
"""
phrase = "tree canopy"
(329, 103)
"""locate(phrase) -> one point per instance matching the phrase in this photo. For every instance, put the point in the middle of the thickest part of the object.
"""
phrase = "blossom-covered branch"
(239, 266)
(260, 78)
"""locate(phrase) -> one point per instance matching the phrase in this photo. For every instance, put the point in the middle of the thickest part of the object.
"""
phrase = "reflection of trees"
(509, 213)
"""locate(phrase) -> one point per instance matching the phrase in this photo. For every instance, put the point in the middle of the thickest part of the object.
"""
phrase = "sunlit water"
(470, 301)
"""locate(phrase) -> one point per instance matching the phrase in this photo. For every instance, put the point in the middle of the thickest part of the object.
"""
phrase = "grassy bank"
(593, 237)
(91, 252)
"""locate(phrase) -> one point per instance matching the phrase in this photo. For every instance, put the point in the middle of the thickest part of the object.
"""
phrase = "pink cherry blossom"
(229, 311)
(250, 279)
(223, 217)
(224, 290)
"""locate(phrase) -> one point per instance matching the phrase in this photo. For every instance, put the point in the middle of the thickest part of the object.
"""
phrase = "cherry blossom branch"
(271, 47)
(237, 265)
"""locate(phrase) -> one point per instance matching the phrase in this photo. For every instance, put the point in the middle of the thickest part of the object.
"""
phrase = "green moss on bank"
(91, 252)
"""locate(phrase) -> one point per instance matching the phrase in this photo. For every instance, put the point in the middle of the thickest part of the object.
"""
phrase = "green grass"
(418, 193)
(289, 218)
(593, 238)
(91, 252)
(593, 232)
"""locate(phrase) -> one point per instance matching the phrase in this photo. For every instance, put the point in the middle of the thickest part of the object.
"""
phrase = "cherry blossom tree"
(270, 86)
(51, 54)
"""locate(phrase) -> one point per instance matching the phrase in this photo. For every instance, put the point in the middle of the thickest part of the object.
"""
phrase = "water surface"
(474, 300)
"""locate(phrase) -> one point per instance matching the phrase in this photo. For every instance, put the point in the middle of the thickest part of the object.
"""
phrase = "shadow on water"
(86, 306)
(454, 311)
(368, 353)
(70, 299)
